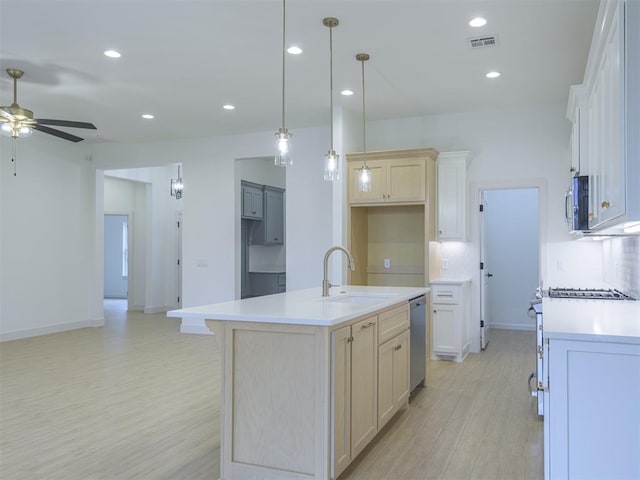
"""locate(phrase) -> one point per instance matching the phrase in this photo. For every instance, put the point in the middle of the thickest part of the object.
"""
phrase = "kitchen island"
(308, 381)
(592, 388)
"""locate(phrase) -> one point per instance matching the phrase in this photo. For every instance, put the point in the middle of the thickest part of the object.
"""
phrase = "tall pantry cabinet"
(390, 227)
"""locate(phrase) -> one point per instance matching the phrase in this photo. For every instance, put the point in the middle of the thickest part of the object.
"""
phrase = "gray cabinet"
(271, 230)
(252, 200)
(267, 283)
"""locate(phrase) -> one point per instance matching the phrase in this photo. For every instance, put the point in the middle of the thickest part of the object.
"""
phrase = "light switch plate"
(387, 263)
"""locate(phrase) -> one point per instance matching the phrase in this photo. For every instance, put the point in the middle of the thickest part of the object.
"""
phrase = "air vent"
(483, 41)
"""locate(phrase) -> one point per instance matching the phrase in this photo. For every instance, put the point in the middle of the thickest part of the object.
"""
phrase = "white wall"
(47, 238)
(512, 148)
(210, 212)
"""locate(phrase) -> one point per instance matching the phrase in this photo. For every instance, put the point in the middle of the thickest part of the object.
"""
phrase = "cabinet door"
(378, 192)
(251, 201)
(341, 400)
(606, 132)
(451, 199)
(401, 359)
(445, 329)
(274, 202)
(364, 384)
(592, 413)
(406, 181)
(393, 377)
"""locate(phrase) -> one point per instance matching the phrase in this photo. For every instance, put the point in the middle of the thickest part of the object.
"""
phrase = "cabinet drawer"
(445, 294)
(392, 322)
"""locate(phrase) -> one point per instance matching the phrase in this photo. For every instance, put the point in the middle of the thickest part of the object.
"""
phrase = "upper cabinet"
(605, 112)
(395, 177)
(252, 201)
(451, 172)
(271, 230)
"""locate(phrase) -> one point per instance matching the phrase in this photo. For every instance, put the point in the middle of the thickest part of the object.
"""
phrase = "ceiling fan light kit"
(19, 122)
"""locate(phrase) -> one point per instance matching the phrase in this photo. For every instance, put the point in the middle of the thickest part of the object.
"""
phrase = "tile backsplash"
(621, 264)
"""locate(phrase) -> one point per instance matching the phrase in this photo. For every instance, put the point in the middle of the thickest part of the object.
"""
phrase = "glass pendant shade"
(16, 130)
(331, 166)
(283, 148)
(364, 179)
(177, 187)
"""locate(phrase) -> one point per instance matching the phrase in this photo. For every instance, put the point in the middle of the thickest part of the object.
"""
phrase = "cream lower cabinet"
(393, 377)
(354, 376)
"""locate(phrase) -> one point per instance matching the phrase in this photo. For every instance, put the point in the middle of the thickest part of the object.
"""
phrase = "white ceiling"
(183, 59)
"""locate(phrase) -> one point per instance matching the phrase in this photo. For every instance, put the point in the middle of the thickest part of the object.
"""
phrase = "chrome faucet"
(325, 283)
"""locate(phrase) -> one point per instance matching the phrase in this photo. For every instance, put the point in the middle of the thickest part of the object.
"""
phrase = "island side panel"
(275, 408)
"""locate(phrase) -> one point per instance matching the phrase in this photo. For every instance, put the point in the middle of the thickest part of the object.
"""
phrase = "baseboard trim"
(62, 327)
(193, 326)
(157, 309)
(512, 326)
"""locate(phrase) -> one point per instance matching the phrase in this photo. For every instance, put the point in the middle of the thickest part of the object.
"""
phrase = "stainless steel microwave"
(576, 203)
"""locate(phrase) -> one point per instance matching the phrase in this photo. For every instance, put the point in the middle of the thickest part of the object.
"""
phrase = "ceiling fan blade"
(65, 123)
(57, 133)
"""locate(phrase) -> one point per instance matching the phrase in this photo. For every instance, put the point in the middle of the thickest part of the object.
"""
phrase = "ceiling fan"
(19, 121)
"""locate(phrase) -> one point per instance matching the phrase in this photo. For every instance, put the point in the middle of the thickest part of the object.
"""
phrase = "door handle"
(489, 275)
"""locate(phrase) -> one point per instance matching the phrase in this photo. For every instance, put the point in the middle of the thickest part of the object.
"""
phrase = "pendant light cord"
(284, 11)
(364, 119)
(331, 83)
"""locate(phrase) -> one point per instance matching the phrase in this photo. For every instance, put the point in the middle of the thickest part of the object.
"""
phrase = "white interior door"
(485, 276)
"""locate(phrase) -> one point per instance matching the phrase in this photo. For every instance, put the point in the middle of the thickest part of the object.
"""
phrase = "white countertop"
(450, 281)
(305, 307)
(592, 320)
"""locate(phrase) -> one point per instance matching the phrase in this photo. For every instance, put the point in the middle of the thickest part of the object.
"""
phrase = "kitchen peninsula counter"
(301, 388)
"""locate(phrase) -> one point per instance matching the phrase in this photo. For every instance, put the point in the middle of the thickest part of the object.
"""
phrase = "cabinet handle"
(275, 239)
(350, 339)
(435, 311)
(591, 216)
(370, 324)
(605, 204)
(397, 347)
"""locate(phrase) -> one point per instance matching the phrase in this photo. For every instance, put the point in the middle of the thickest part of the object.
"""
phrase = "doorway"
(116, 256)
(510, 258)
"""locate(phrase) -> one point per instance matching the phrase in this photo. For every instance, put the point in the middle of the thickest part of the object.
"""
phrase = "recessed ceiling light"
(347, 92)
(148, 116)
(493, 75)
(112, 54)
(293, 50)
(478, 22)
(229, 107)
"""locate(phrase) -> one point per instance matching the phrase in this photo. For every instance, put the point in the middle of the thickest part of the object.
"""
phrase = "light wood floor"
(138, 400)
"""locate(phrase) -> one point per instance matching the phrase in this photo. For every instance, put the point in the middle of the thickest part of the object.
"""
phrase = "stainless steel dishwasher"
(418, 341)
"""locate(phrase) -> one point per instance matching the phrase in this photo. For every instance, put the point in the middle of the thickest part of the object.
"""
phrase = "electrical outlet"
(444, 264)
(387, 263)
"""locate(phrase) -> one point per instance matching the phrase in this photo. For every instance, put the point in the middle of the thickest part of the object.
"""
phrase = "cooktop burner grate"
(589, 293)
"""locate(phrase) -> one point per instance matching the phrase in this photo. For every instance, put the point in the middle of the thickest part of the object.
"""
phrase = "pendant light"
(283, 154)
(364, 173)
(332, 159)
(177, 186)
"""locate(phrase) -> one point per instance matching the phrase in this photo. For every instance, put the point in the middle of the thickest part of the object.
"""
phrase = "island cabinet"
(354, 384)
(310, 381)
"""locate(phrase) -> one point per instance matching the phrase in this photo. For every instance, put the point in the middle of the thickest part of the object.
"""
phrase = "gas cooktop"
(589, 293)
